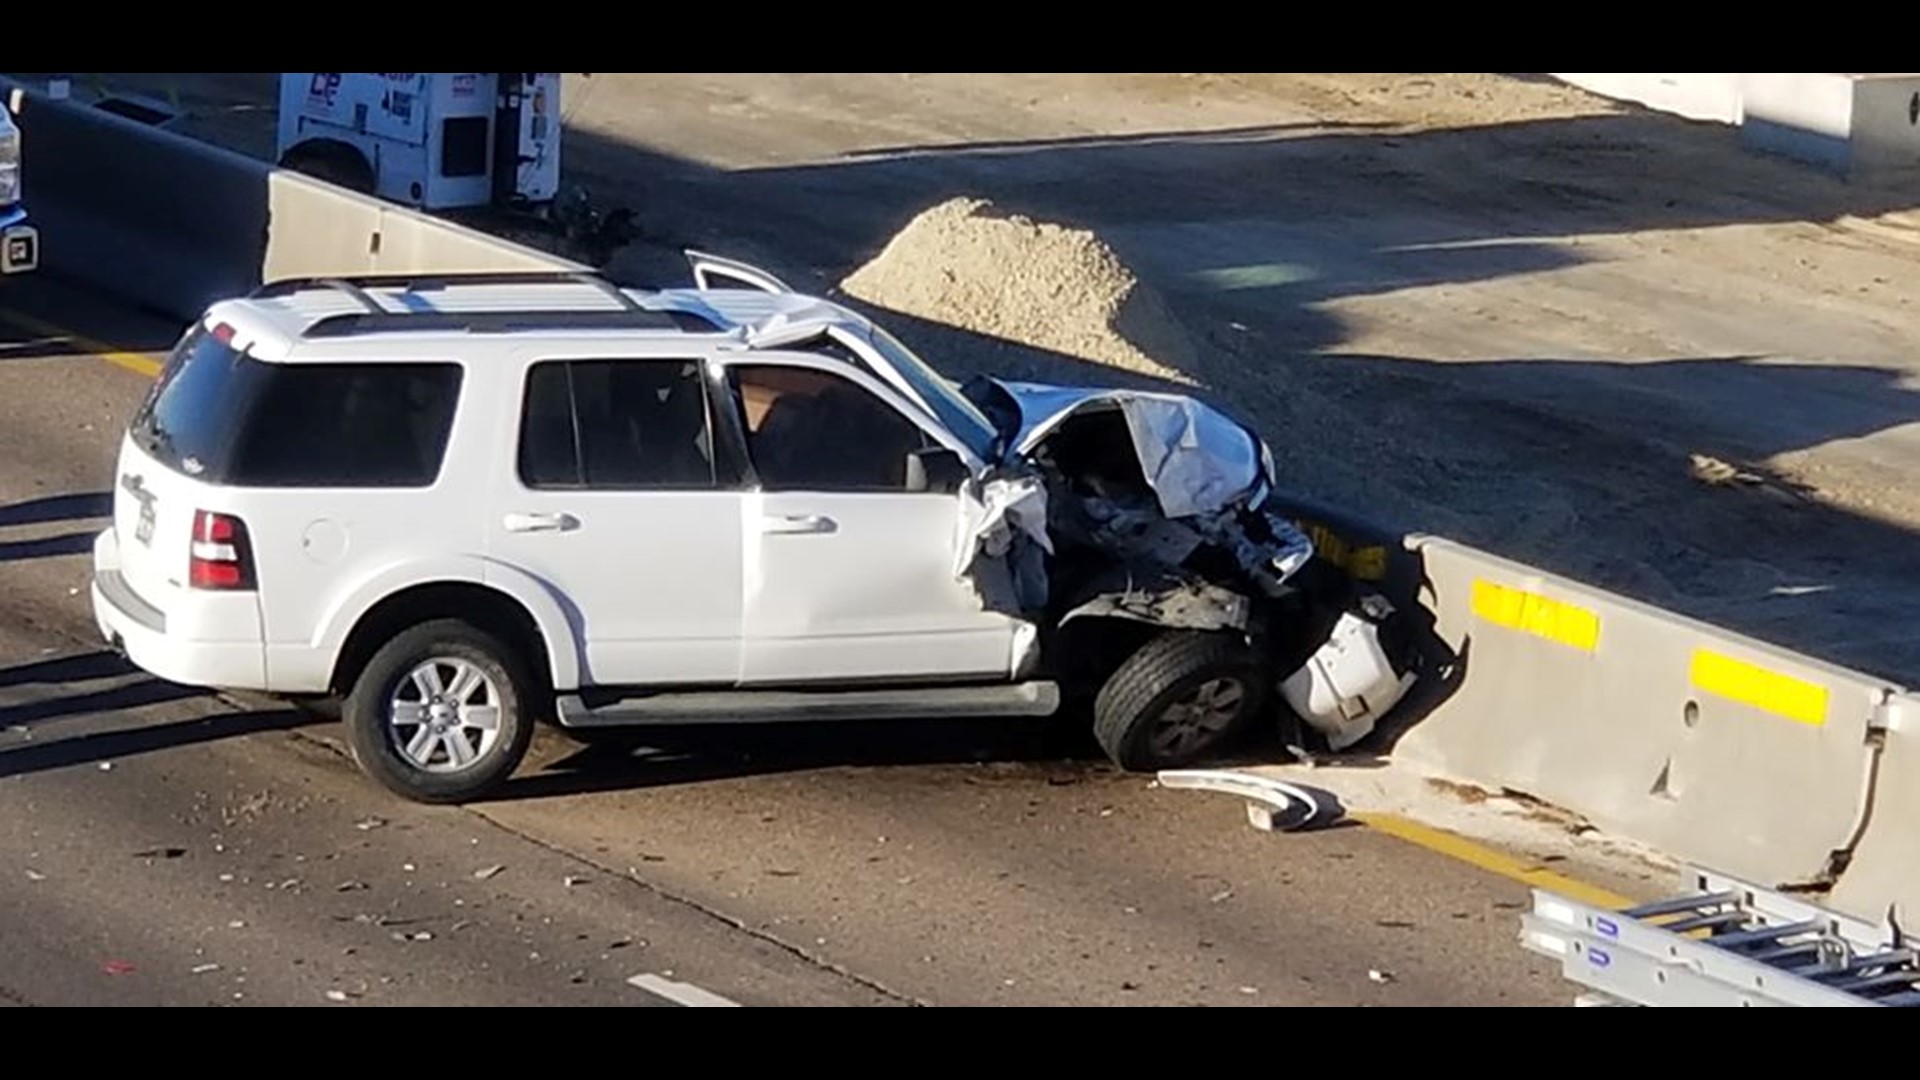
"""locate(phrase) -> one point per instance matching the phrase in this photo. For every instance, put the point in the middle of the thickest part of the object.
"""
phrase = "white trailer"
(445, 141)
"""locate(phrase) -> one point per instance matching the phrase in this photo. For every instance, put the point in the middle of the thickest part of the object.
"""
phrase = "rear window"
(221, 416)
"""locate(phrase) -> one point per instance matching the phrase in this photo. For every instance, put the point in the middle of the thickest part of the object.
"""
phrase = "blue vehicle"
(19, 241)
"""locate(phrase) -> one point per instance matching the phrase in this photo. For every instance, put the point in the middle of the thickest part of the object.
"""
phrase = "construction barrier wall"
(1712, 747)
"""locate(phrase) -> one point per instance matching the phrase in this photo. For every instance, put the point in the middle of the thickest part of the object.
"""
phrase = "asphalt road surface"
(166, 846)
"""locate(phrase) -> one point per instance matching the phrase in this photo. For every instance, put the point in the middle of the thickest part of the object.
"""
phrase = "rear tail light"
(221, 556)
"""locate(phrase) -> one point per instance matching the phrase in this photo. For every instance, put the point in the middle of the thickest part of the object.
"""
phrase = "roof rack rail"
(348, 286)
(506, 322)
(356, 284)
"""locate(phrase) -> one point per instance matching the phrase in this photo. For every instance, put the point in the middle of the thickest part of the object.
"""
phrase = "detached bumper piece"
(19, 249)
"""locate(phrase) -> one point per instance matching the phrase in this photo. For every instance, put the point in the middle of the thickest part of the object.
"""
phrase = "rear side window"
(618, 425)
(347, 425)
(221, 416)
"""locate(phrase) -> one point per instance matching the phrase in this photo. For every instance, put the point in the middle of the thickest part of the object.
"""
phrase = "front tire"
(1180, 698)
(440, 713)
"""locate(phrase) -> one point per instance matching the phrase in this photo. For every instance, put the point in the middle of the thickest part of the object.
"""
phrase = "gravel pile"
(1045, 286)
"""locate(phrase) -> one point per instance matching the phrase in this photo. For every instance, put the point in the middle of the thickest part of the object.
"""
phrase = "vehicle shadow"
(131, 742)
(78, 543)
(50, 509)
(68, 687)
(44, 695)
(79, 506)
(1060, 749)
(661, 757)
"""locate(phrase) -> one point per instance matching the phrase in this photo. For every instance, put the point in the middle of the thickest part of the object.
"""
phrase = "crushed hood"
(1197, 459)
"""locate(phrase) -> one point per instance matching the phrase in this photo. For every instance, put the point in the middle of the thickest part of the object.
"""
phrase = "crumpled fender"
(1196, 458)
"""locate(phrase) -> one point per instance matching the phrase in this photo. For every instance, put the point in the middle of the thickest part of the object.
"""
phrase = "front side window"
(811, 430)
(617, 425)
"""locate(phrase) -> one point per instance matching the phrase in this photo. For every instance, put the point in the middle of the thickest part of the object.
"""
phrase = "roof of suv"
(276, 318)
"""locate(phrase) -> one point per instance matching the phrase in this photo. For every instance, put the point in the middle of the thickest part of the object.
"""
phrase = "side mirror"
(935, 468)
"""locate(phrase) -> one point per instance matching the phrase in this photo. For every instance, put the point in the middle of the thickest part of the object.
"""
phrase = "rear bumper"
(19, 243)
(179, 650)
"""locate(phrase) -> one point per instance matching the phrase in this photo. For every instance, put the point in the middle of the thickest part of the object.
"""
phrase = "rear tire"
(1181, 697)
(440, 714)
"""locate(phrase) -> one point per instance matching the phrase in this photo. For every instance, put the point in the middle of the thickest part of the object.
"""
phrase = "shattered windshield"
(959, 415)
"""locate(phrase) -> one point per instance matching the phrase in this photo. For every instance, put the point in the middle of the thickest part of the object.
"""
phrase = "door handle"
(799, 524)
(526, 523)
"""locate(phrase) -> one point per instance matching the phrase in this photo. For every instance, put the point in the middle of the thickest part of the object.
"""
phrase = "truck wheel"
(439, 714)
(1181, 697)
(337, 164)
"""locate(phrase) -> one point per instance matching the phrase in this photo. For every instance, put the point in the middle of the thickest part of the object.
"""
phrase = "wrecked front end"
(1118, 509)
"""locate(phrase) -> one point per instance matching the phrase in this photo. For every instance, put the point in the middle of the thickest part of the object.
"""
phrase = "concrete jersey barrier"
(163, 220)
(1712, 747)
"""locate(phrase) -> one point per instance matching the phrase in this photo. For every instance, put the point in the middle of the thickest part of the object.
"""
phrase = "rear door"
(617, 501)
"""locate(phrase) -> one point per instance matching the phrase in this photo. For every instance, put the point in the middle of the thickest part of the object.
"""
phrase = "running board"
(766, 706)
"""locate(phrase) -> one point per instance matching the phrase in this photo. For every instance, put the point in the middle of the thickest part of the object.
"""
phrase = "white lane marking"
(681, 993)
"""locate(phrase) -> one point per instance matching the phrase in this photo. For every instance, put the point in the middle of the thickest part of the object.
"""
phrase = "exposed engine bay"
(1153, 509)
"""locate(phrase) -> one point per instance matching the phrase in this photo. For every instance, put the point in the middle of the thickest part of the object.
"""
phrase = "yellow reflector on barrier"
(1530, 613)
(1365, 563)
(1750, 684)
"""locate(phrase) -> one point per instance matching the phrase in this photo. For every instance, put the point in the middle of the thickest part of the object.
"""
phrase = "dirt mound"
(1044, 286)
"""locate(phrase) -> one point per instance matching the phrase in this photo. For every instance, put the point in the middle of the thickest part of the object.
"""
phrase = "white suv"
(456, 506)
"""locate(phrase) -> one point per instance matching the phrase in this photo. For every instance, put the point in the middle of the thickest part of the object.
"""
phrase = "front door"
(620, 505)
(850, 573)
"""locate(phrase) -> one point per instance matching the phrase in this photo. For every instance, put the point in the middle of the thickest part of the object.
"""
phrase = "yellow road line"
(132, 361)
(1493, 862)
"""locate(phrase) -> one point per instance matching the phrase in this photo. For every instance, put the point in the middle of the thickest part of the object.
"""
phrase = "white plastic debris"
(1273, 805)
(1347, 685)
